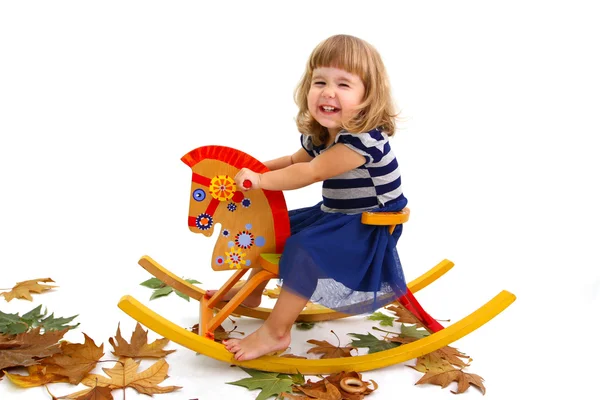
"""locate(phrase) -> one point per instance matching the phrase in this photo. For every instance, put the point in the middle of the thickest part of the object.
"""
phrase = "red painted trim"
(411, 304)
(212, 206)
(191, 221)
(202, 180)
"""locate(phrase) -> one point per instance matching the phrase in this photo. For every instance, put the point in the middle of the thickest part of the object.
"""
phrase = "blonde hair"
(358, 57)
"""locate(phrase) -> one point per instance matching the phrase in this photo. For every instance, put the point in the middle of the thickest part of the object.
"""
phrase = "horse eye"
(199, 195)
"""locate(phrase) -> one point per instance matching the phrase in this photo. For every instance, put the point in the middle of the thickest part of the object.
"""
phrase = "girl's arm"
(285, 161)
(335, 161)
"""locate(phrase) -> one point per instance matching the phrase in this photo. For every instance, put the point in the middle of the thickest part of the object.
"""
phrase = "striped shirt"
(370, 186)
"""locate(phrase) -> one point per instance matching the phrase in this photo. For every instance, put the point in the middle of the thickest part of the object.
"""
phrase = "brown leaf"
(336, 379)
(326, 392)
(76, 360)
(272, 293)
(463, 379)
(23, 290)
(453, 356)
(403, 314)
(139, 346)
(29, 347)
(432, 362)
(328, 350)
(95, 393)
(124, 374)
(38, 376)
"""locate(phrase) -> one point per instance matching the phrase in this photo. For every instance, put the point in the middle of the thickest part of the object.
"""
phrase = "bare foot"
(259, 343)
(253, 299)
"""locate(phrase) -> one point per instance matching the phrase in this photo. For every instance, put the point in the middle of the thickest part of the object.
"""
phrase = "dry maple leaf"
(23, 290)
(38, 376)
(29, 347)
(328, 350)
(403, 315)
(336, 380)
(463, 379)
(326, 392)
(432, 362)
(124, 374)
(76, 360)
(95, 393)
(272, 293)
(139, 346)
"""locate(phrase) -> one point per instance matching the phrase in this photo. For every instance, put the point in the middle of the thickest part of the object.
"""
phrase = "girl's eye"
(344, 85)
(199, 195)
(319, 83)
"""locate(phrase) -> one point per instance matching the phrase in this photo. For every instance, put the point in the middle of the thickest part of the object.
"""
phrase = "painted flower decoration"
(246, 203)
(235, 258)
(244, 239)
(204, 221)
(222, 187)
(231, 207)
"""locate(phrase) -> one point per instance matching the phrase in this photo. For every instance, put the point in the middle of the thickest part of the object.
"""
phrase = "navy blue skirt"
(335, 260)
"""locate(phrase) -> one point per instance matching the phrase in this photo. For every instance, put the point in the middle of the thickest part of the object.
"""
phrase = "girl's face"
(334, 96)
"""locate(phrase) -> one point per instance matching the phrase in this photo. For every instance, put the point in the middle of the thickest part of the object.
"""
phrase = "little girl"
(345, 116)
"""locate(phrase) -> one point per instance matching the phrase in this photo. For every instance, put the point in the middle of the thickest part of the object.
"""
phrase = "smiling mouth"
(328, 109)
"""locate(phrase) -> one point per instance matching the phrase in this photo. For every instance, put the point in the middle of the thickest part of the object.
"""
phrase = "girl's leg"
(253, 299)
(274, 334)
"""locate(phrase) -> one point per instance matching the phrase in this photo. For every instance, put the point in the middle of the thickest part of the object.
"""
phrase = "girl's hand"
(246, 174)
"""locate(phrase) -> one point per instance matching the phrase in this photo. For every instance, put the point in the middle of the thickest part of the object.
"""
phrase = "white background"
(99, 100)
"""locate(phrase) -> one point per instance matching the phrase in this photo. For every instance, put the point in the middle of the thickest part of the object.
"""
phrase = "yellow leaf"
(38, 376)
(124, 374)
(23, 289)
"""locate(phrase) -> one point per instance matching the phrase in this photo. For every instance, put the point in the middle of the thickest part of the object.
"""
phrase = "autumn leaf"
(95, 393)
(453, 356)
(139, 346)
(327, 350)
(38, 376)
(432, 362)
(272, 293)
(23, 290)
(75, 360)
(124, 374)
(328, 391)
(339, 380)
(403, 314)
(271, 383)
(463, 379)
(384, 320)
(27, 348)
(372, 343)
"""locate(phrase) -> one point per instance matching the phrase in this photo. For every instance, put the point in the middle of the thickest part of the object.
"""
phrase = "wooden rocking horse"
(254, 228)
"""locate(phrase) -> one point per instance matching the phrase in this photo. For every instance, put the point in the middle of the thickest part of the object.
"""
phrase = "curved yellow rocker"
(254, 227)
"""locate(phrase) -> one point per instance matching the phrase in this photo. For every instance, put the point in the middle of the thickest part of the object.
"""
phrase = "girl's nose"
(328, 92)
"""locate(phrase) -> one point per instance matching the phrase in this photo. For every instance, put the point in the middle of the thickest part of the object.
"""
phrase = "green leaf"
(372, 343)
(161, 292)
(153, 283)
(182, 295)
(271, 383)
(304, 326)
(384, 320)
(413, 331)
(57, 324)
(11, 324)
